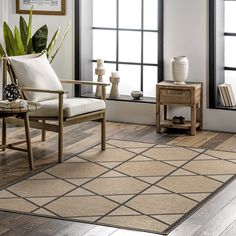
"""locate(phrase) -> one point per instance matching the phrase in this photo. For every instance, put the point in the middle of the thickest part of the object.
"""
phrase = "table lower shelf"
(170, 124)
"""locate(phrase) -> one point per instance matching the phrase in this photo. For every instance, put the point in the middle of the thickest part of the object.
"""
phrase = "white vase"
(180, 66)
(114, 93)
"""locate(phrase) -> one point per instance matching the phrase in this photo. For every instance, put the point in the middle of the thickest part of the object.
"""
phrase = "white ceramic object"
(180, 67)
(114, 93)
(100, 73)
(137, 95)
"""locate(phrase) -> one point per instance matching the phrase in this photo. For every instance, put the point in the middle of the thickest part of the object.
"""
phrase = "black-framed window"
(128, 35)
(230, 43)
(222, 47)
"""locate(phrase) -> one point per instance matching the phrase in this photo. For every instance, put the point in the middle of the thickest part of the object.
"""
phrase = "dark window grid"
(125, 29)
(160, 43)
(230, 68)
(142, 30)
(142, 44)
(117, 33)
(212, 29)
(231, 35)
(129, 63)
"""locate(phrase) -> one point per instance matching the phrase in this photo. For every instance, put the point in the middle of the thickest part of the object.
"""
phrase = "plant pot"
(180, 66)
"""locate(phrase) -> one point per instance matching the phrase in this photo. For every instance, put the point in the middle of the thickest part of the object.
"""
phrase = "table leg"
(158, 116)
(4, 133)
(193, 119)
(28, 141)
(43, 132)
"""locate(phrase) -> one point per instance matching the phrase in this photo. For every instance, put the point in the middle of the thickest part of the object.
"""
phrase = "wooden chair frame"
(41, 122)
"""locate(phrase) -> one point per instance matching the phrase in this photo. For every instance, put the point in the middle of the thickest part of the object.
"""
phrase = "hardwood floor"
(216, 217)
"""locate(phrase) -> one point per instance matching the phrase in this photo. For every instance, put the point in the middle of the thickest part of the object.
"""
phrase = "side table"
(187, 95)
(21, 113)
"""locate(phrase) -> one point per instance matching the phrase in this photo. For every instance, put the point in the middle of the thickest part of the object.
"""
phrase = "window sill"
(221, 107)
(124, 98)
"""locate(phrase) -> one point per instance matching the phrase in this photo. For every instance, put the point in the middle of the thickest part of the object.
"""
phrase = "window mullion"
(142, 44)
(117, 35)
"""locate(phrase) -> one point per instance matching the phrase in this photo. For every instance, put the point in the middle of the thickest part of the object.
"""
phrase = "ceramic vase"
(114, 88)
(180, 67)
(100, 73)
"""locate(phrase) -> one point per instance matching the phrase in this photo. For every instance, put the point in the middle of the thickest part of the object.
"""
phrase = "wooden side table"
(187, 95)
(21, 113)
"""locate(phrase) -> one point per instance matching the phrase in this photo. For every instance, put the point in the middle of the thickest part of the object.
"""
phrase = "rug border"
(165, 232)
(198, 206)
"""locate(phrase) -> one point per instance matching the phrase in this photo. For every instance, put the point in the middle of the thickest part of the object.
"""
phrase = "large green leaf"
(30, 49)
(23, 32)
(60, 44)
(40, 39)
(2, 51)
(11, 46)
(53, 42)
(29, 28)
(19, 42)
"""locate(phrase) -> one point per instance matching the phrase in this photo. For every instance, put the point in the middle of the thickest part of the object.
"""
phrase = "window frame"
(78, 56)
(217, 66)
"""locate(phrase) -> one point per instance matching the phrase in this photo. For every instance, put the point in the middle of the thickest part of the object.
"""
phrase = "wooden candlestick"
(99, 73)
(114, 88)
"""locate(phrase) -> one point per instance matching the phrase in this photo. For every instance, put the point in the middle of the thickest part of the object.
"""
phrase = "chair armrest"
(60, 100)
(43, 90)
(84, 82)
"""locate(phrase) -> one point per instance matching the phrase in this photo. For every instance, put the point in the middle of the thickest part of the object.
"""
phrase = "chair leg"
(60, 144)
(4, 133)
(43, 132)
(28, 141)
(60, 129)
(103, 133)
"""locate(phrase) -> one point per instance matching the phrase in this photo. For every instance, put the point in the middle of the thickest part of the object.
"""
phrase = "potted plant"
(20, 41)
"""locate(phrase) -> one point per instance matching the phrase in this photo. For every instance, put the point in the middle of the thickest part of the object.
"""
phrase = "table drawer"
(175, 96)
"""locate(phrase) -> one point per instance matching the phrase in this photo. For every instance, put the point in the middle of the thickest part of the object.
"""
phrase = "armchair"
(39, 83)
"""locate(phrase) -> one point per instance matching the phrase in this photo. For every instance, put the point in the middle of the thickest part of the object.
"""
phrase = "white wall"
(185, 33)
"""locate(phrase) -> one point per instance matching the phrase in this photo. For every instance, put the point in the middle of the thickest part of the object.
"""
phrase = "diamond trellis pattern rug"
(133, 185)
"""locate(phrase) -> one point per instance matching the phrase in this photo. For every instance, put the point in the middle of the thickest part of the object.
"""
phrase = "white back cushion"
(35, 71)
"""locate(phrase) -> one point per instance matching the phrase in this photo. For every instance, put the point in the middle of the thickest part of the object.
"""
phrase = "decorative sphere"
(11, 92)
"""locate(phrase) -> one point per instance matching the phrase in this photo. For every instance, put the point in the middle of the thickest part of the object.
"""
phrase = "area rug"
(140, 186)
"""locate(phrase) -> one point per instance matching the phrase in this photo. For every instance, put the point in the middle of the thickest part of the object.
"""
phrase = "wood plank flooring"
(216, 217)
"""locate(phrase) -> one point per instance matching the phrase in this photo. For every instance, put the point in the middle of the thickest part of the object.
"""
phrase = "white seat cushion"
(35, 71)
(72, 107)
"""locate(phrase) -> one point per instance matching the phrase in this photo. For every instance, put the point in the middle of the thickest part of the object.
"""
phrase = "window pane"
(230, 78)
(149, 81)
(150, 48)
(230, 16)
(150, 14)
(104, 44)
(129, 79)
(104, 13)
(130, 14)
(130, 46)
(230, 51)
(109, 68)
